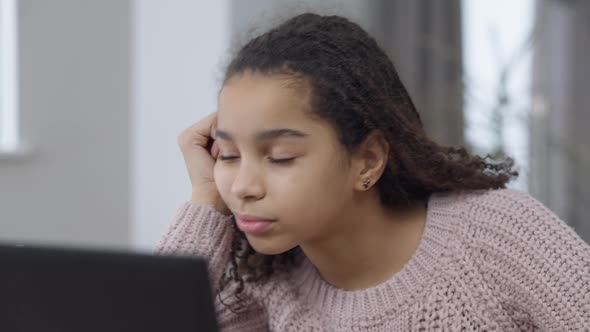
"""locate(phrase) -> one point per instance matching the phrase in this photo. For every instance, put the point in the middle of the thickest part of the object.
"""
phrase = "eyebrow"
(265, 135)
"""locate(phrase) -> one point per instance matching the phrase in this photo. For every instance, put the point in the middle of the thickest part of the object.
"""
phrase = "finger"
(198, 133)
(214, 150)
(203, 126)
(214, 127)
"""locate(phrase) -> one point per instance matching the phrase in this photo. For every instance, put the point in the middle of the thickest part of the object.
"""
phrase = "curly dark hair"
(354, 86)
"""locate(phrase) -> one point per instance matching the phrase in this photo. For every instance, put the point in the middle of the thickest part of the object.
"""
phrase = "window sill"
(22, 152)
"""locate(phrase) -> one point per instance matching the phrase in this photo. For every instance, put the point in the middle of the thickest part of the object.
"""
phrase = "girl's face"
(299, 176)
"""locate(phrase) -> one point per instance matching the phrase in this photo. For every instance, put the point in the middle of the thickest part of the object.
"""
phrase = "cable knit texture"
(495, 260)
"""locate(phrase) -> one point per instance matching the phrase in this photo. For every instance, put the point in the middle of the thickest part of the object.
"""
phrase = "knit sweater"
(495, 260)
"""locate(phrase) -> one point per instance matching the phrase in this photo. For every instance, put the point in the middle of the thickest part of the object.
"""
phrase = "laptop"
(44, 288)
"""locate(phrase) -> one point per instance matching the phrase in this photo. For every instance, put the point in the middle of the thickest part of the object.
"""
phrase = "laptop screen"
(74, 289)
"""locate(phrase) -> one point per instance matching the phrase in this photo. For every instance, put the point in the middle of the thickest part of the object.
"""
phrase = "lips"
(252, 224)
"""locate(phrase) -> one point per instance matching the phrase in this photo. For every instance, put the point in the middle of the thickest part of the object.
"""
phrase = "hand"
(199, 149)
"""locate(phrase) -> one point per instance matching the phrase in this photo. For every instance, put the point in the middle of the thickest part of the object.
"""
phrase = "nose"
(247, 184)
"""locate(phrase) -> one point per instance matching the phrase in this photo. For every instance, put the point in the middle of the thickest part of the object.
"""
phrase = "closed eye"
(280, 161)
(274, 161)
(227, 157)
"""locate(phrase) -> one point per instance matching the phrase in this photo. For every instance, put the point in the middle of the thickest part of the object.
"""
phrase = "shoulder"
(492, 208)
(511, 223)
(513, 228)
(505, 200)
(511, 212)
(530, 259)
(499, 200)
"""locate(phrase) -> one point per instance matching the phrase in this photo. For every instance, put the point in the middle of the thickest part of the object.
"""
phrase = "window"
(497, 39)
(9, 135)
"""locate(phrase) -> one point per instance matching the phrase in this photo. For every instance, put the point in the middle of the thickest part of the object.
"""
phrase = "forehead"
(257, 100)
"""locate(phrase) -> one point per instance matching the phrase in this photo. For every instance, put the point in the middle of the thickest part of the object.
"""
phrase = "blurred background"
(94, 93)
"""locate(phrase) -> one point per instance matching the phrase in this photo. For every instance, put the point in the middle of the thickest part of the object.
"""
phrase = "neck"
(370, 244)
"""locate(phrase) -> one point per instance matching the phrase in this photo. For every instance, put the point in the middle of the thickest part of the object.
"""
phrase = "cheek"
(223, 178)
(315, 205)
(313, 192)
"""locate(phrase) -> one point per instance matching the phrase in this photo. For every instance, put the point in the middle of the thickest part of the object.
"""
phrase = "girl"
(322, 205)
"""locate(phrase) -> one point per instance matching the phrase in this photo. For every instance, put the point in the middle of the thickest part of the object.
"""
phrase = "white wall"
(106, 86)
(74, 83)
(180, 47)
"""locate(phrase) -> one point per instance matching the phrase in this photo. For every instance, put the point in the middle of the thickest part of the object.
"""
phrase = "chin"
(268, 246)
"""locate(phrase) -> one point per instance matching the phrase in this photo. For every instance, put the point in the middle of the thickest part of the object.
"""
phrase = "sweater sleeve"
(201, 230)
(535, 263)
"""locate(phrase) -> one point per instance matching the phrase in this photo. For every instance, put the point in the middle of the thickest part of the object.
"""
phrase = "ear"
(370, 160)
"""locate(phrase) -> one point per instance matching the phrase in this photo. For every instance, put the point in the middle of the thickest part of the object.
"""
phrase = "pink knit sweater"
(493, 260)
